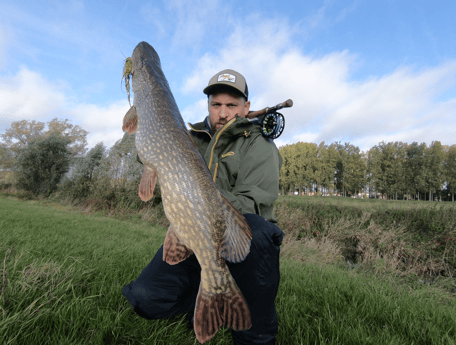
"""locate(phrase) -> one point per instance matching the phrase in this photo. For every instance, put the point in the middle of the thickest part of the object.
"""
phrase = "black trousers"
(163, 290)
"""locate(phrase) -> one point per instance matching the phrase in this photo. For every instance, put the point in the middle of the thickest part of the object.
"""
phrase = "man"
(245, 168)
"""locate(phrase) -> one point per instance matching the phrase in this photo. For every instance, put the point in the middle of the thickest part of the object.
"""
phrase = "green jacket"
(243, 163)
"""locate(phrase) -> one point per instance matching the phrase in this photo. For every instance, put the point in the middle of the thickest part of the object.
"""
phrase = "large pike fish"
(202, 221)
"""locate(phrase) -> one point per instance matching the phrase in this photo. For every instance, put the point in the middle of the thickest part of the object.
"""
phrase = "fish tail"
(236, 314)
(214, 310)
(207, 318)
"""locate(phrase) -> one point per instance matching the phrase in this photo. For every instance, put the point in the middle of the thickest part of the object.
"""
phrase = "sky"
(358, 71)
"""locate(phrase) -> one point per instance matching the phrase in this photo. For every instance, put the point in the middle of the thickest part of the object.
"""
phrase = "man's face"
(223, 107)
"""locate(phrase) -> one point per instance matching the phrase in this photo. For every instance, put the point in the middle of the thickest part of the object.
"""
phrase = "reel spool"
(273, 125)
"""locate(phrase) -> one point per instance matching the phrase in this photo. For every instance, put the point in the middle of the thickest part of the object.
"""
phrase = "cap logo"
(227, 77)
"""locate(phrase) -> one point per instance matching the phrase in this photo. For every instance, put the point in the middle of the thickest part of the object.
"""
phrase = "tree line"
(40, 161)
(56, 161)
(393, 170)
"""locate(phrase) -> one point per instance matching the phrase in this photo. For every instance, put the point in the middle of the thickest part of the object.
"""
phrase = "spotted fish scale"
(202, 221)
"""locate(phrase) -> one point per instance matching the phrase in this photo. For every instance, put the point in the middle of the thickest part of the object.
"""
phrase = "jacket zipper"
(199, 130)
(215, 172)
(217, 138)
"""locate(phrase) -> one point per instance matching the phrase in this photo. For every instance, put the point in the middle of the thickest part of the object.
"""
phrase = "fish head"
(155, 99)
(143, 53)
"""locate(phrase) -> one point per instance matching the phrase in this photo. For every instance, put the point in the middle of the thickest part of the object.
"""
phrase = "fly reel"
(272, 125)
(273, 122)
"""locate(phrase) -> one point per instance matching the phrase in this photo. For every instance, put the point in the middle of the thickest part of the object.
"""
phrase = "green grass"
(328, 305)
(63, 273)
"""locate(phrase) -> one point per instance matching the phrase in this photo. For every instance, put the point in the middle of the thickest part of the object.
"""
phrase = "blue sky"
(357, 71)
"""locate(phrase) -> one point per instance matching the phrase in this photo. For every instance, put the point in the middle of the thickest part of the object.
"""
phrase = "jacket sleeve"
(257, 183)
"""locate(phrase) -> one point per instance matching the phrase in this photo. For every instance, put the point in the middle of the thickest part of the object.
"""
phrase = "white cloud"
(104, 123)
(251, 50)
(195, 112)
(328, 105)
(308, 137)
(187, 23)
(30, 96)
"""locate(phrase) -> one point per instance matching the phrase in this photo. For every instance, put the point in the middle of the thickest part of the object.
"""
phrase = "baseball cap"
(228, 77)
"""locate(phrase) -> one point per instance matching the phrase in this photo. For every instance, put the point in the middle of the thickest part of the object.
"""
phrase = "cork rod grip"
(267, 110)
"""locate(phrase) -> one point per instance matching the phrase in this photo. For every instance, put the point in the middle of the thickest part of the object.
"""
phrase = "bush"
(41, 164)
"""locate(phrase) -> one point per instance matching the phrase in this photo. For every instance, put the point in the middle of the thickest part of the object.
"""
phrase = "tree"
(305, 155)
(76, 135)
(392, 169)
(330, 164)
(85, 166)
(83, 171)
(42, 163)
(373, 170)
(325, 166)
(22, 132)
(450, 170)
(400, 155)
(416, 169)
(386, 167)
(387, 162)
(355, 170)
(349, 169)
(434, 168)
(285, 179)
(6, 157)
(340, 167)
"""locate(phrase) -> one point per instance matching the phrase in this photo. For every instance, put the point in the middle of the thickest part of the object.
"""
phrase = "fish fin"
(207, 319)
(213, 310)
(236, 242)
(236, 313)
(130, 121)
(174, 251)
(147, 184)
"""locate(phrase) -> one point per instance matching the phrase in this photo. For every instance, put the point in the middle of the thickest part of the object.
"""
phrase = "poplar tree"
(285, 178)
(416, 169)
(450, 170)
(434, 168)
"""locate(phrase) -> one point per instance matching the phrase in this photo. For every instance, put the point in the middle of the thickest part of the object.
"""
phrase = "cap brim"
(209, 89)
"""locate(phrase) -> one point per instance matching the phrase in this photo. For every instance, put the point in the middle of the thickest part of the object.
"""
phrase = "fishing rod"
(274, 122)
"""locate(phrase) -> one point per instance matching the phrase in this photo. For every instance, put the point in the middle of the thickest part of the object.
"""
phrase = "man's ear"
(247, 107)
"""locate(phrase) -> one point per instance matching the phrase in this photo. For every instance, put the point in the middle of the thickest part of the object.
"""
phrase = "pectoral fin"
(130, 121)
(174, 251)
(236, 241)
(147, 184)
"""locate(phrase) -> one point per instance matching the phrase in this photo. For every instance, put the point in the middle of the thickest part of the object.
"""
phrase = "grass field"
(62, 274)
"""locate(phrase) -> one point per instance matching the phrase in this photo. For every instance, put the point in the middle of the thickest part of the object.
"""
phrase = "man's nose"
(223, 112)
